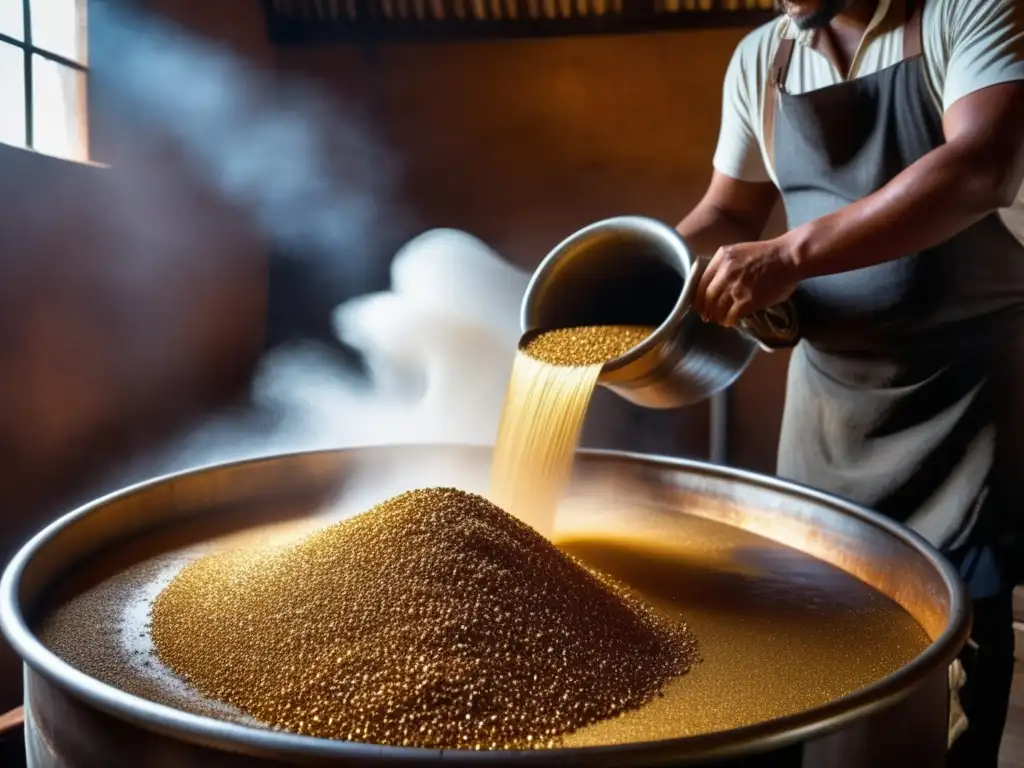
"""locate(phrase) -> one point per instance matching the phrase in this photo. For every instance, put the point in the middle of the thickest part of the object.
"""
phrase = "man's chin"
(821, 16)
(809, 21)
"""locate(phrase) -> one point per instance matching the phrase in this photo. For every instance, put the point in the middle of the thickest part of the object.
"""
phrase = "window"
(44, 76)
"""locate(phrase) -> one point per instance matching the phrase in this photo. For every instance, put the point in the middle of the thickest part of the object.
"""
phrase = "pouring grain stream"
(553, 378)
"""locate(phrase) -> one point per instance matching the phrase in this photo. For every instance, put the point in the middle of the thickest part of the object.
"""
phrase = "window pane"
(58, 110)
(12, 94)
(12, 20)
(58, 26)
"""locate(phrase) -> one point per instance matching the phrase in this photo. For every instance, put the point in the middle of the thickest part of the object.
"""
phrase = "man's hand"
(978, 170)
(744, 278)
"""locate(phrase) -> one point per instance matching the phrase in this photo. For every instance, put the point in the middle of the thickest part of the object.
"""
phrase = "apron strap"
(913, 46)
(776, 84)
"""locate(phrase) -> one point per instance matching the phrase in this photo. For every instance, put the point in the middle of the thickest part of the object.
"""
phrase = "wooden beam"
(312, 22)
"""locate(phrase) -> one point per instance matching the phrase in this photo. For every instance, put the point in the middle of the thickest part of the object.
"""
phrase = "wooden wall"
(522, 142)
(130, 299)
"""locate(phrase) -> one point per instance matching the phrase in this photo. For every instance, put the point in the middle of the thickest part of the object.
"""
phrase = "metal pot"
(74, 720)
(635, 270)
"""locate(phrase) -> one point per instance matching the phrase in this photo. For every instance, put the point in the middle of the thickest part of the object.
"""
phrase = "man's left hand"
(744, 278)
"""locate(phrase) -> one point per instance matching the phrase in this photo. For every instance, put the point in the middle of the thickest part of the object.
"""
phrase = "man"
(894, 131)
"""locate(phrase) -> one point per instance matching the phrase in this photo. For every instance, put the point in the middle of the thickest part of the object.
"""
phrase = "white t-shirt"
(968, 45)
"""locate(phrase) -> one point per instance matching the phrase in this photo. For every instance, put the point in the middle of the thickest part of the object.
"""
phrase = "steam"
(438, 344)
(310, 174)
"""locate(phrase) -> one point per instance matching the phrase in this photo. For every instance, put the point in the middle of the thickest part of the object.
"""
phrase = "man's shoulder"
(953, 14)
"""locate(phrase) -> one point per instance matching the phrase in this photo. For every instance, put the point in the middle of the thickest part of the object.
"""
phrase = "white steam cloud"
(438, 345)
(313, 178)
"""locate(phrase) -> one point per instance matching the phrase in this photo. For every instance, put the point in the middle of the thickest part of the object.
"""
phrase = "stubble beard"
(822, 17)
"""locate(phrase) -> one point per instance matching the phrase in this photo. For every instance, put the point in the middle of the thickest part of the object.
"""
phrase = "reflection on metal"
(776, 327)
(634, 270)
(718, 428)
(296, 22)
(75, 720)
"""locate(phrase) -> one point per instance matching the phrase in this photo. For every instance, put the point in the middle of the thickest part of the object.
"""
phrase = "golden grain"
(584, 345)
(553, 378)
(433, 620)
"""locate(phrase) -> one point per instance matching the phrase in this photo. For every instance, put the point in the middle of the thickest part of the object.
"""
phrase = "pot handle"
(769, 316)
(697, 268)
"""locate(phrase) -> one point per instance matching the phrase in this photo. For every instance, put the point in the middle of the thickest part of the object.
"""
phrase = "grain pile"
(585, 345)
(553, 378)
(433, 620)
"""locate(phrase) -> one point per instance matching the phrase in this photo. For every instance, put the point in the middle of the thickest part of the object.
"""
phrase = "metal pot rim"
(657, 230)
(256, 742)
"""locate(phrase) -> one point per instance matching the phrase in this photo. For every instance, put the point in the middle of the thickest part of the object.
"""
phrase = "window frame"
(29, 49)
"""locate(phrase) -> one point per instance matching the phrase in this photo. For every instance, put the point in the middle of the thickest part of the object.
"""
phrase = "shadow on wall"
(523, 141)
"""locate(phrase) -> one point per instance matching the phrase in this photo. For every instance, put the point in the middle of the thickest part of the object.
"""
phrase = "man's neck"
(857, 15)
(843, 35)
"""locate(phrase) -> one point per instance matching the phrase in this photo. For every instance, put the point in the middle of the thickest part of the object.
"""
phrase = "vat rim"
(259, 742)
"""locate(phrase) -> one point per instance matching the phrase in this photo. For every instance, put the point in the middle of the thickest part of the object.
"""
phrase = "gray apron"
(903, 393)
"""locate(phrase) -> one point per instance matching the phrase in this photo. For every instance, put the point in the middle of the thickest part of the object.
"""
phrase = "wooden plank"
(359, 21)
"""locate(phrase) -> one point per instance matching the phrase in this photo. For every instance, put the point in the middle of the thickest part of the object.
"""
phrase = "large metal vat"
(75, 720)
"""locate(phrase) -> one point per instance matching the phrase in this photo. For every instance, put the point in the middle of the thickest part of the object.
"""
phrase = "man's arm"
(740, 198)
(731, 211)
(979, 169)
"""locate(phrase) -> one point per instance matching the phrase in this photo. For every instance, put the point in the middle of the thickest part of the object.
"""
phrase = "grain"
(553, 378)
(585, 345)
(433, 620)
(765, 615)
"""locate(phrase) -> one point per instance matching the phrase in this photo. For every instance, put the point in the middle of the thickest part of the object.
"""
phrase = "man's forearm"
(978, 170)
(943, 193)
(708, 228)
